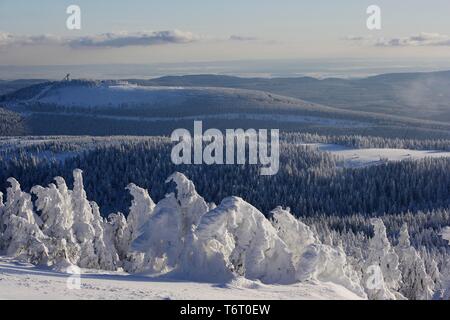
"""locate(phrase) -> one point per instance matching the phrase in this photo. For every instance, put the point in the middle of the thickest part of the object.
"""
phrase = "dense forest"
(309, 182)
(337, 202)
(11, 124)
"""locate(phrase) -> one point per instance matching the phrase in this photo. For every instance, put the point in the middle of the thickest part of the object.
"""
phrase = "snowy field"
(357, 158)
(24, 281)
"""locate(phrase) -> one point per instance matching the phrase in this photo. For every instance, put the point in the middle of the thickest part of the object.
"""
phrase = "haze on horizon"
(159, 32)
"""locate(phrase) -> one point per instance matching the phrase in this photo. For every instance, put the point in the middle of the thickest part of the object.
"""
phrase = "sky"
(178, 31)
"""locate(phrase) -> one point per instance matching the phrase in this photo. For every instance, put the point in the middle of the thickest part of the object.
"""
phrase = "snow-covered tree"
(22, 237)
(83, 223)
(241, 241)
(116, 231)
(2, 206)
(445, 234)
(311, 258)
(417, 285)
(293, 232)
(382, 277)
(168, 231)
(142, 207)
(141, 210)
(57, 218)
(108, 259)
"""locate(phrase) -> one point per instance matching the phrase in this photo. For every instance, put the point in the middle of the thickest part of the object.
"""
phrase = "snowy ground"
(24, 281)
(356, 158)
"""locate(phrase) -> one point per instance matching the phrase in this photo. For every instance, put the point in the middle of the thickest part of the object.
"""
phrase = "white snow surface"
(358, 158)
(111, 95)
(25, 281)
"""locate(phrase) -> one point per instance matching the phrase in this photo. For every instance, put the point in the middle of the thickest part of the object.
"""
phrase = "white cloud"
(107, 40)
(8, 39)
(242, 38)
(125, 39)
(421, 39)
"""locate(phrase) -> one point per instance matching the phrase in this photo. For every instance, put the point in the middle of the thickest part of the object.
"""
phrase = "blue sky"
(261, 29)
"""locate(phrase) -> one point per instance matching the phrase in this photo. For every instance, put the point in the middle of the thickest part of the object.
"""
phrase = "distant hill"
(154, 107)
(8, 86)
(419, 95)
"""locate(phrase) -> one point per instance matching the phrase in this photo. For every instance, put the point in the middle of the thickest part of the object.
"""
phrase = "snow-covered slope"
(87, 93)
(355, 158)
(24, 281)
(119, 106)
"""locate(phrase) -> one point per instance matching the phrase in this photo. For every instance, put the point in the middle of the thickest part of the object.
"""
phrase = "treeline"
(309, 182)
(360, 142)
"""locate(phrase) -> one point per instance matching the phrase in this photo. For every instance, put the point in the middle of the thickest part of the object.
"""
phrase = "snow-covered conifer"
(22, 237)
(445, 234)
(311, 258)
(417, 285)
(243, 242)
(108, 259)
(167, 233)
(142, 207)
(116, 230)
(57, 221)
(382, 257)
(83, 223)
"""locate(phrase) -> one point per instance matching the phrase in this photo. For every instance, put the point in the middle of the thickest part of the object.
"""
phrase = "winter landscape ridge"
(357, 211)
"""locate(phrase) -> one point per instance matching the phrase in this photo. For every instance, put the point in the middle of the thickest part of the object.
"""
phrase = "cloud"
(106, 40)
(9, 39)
(421, 39)
(116, 40)
(242, 38)
(356, 38)
(125, 39)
